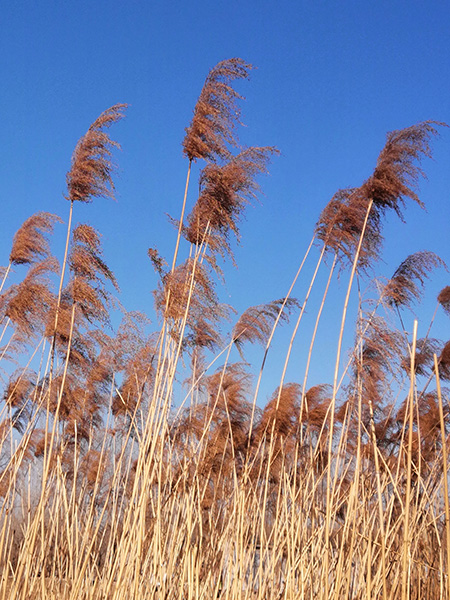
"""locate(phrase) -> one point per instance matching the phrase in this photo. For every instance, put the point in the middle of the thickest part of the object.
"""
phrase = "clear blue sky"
(333, 77)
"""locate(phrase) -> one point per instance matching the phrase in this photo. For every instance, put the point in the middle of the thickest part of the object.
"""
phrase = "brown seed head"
(426, 348)
(340, 227)
(398, 167)
(444, 299)
(444, 362)
(30, 243)
(27, 304)
(280, 413)
(408, 281)
(216, 113)
(256, 323)
(394, 179)
(224, 192)
(85, 257)
(91, 173)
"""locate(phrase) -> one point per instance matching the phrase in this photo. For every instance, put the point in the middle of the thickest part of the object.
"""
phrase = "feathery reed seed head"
(91, 173)
(407, 283)
(216, 113)
(30, 243)
(444, 299)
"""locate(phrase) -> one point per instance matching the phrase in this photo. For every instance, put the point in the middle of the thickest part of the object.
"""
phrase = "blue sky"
(332, 78)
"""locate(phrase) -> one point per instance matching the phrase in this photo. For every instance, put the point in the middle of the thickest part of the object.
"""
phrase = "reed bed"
(117, 482)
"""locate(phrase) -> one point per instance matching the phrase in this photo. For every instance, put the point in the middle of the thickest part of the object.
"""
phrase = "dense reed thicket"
(117, 482)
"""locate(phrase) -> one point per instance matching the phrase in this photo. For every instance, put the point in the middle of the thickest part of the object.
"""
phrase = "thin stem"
(5, 276)
(269, 341)
(406, 534)
(333, 399)
(180, 226)
(445, 466)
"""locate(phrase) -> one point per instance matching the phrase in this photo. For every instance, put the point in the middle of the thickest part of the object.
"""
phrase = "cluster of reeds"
(118, 481)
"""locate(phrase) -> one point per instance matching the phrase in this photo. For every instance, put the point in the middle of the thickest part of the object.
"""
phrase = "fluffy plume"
(64, 319)
(30, 242)
(279, 415)
(224, 192)
(86, 256)
(444, 299)
(77, 408)
(340, 227)
(92, 466)
(377, 360)
(189, 291)
(408, 280)
(398, 167)
(427, 436)
(70, 326)
(159, 263)
(393, 181)
(89, 271)
(423, 361)
(227, 390)
(216, 113)
(91, 173)
(174, 296)
(18, 395)
(444, 362)
(27, 304)
(19, 389)
(225, 413)
(317, 401)
(429, 415)
(138, 377)
(256, 323)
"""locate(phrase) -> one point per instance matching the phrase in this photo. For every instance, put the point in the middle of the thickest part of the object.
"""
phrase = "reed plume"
(137, 380)
(91, 172)
(89, 274)
(85, 259)
(280, 413)
(408, 281)
(227, 392)
(426, 420)
(84, 302)
(444, 299)
(317, 402)
(224, 192)
(216, 113)
(19, 396)
(378, 360)
(77, 409)
(356, 213)
(189, 292)
(30, 243)
(27, 304)
(444, 362)
(212, 129)
(341, 225)
(398, 167)
(256, 323)
(221, 421)
(426, 348)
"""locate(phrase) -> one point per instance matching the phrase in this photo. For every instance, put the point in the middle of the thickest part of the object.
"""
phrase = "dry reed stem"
(445, 464)
(406, 535)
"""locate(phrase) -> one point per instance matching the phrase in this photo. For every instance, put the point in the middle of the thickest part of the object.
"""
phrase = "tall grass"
(117, 482)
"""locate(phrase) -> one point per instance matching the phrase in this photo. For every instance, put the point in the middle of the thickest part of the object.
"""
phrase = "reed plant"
(119, 481)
